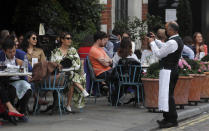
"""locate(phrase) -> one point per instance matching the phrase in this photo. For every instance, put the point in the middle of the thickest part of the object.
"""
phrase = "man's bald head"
(173, 26)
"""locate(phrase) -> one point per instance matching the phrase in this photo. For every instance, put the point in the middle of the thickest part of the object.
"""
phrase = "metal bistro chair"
(95, 80)
(56, 82)
(129, 75)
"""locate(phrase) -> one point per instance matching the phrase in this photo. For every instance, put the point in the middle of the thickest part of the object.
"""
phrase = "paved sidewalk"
(102, 117)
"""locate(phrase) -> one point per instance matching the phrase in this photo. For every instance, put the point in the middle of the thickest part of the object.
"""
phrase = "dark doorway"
(196, 15)
(7, 9)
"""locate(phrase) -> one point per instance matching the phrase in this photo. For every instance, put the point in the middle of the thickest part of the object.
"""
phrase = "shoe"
(13, 120)
(85, 93)
(23, 119)
(48, 108)
(15, 114)
(168, 124)
(105, 87)
(69, 110)
(163, 121)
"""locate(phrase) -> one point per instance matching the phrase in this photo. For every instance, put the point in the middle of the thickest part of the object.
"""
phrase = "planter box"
(181, 91)
(151, 90)
(205, 87)
(195, 89)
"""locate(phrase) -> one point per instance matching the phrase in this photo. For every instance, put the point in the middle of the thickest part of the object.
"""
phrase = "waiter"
(169, 54)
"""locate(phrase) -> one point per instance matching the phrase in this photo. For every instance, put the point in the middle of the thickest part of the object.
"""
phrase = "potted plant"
(181, 92)
(204, 66)
(151, 86)
(197, 82)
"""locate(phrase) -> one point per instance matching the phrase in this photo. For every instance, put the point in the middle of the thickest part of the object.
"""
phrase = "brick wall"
(144, 11)
(106, 15)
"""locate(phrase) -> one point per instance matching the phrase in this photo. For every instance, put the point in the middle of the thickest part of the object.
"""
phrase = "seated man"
(99, 59)
(23, 88)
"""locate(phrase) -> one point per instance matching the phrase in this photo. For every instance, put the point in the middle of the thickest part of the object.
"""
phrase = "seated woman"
(34, 54)
(199, 48)
(76, 77)
(31, 47)
(124, 51)
(22, 87)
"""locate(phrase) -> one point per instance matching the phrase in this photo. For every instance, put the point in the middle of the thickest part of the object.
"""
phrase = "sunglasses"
(68, 38)
(34, 38)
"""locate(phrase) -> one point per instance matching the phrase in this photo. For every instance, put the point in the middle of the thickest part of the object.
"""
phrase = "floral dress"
(77, 75)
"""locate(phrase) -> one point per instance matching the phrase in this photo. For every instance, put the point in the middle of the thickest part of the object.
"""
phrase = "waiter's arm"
(169, 47)
(159, 43)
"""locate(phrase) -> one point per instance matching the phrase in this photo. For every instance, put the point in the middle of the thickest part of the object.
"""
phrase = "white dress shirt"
(161, 49)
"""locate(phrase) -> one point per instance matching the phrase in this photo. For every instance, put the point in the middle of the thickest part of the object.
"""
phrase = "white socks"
(85, 93)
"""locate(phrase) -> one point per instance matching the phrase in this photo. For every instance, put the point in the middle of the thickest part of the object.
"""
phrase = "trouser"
(106, 75)
(172, 116)
(23, 103)
(7, 94)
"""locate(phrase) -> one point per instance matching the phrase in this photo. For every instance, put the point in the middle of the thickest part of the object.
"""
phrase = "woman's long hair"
(125, 48)
(194, 38)
(25, 44)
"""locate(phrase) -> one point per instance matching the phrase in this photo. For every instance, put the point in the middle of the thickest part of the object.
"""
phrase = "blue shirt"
(188, 52)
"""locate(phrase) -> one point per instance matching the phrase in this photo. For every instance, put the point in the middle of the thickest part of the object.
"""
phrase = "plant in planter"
(184, 68)
(195, 66)
(151, 86)
(205, 58)
(197, 82)
(181, 92)
(153, 71)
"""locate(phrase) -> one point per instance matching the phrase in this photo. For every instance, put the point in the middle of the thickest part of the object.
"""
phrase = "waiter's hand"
(152, 35)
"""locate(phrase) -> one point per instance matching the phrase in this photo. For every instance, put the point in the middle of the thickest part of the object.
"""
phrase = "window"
(121, 10)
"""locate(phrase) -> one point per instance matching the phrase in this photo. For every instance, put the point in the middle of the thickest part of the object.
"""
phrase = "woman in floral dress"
(76, 78)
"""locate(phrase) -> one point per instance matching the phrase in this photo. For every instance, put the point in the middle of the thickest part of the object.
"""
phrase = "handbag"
(66, 62)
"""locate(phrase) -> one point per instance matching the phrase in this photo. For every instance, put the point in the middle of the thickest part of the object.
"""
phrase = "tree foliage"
(83, 14)
(79, 17)
(154, 23)
(50, 12)
(184, 18)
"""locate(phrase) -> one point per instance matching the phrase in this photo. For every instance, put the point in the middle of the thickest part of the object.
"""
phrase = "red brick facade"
(144, 11)
(106, 15)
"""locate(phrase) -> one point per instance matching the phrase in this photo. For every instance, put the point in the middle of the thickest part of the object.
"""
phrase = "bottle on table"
(25, 64)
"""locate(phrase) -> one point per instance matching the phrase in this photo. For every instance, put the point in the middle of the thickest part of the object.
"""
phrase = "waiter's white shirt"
(161, 49)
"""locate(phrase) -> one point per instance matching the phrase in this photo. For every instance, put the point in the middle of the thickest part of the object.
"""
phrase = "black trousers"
(8, 94)
(172, 116)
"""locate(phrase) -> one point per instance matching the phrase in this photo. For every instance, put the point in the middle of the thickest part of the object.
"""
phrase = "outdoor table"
(4, 73)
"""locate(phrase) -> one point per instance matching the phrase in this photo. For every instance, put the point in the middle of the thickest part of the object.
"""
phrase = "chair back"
(90, 68)
(55, 81)
(129, 73)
